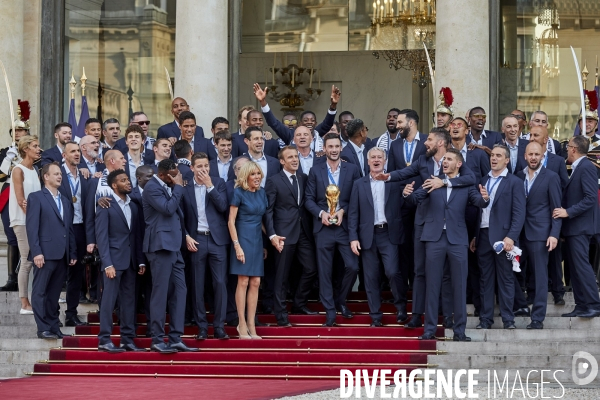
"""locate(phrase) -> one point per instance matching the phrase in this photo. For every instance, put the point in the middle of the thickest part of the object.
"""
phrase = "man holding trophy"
(327, 198)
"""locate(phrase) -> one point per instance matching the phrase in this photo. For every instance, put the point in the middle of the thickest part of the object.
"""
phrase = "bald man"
(90, 155)
(171, 130)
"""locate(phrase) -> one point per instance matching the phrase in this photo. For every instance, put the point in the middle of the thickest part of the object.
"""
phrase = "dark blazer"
(215, 206)
(230, 185)
(284, 216)
(491, 138)
(521, 162)
(318, 180)
(65, 189)
(544, 196)
(580, 199)
(186, 171)
(148, 154)
(361, 214)
(119, 245)
(396, 154)
(47, 233)
(478, 162)
(448, 212)
(51, 155)
(273, 165)
(99, 166)
(556, 164)
(172, 130)
(214, 170)
(287, 134)
(89, 211)
(271, 147)
(508, 210)
(349, 154)
(205, 145)
(164, 228)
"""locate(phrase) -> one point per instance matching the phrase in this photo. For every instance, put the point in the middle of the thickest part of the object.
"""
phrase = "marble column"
(462, 53)
(201, 53)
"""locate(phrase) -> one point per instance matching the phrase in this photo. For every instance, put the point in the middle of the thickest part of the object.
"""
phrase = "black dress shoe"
(110, 348)
(60, 324)
(448, 323)
(131, 347)
(233, 322)
(535, 325)
(267, 310)
(182, 347)
(163, 348)
(202, 334)
(376, 323)
(258, 323)
(83, 300)
(415, 322)
(427, 336)
(283, 321)
(60, 334)
(220, 333)
(93, 300)
(574, 313)
(189, 322)
(476, 313)
(401, 314)
(330, 322)
(345, 312)
(303, 310)
(590, 313)
(522, 312)
(461, 338)
(483, 325)
(46, 335)
(509, 325)
(559, 300)
(74, 321)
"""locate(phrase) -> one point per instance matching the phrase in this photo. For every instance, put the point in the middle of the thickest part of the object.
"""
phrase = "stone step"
(17, 357)
(27, 320)
(15, 370)
(26, 332)
(516, 335)
(20, 344)
(524, 347)
(551, 309)
(549, 323)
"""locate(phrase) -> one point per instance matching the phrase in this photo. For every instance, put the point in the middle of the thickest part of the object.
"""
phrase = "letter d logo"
(583, 363)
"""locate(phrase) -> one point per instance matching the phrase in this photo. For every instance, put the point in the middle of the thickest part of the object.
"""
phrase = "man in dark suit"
(331, 226)
(90, 146)
(162, 244)
(187, 125)
(540, 118)
(516, 146)
(120, 246)
(579, 212)
(540, 232)
(183, 153)
(307, 119)
(375, 230)
(74, 188)
(446, 241)
(134, 155)
(172, 130)
(255, 143)
(550, 161)
(221, 164)
(501, 221)
(162, 149)
(204, 207)
(140, 119)
(290, 230)
(254, 119)
(52, 249)
(356, 151)
(421, 170)
(62, 133)
(303, 139)
(479, 137)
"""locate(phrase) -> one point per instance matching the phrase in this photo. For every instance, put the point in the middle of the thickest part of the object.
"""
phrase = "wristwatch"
(445, 181)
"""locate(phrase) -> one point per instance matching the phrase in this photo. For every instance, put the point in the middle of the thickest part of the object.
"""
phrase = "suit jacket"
(271, 147)
(556, 164)
(478, 162)
(147, 155)
(544, 196)
(215, 207)
(52, 154)
(119, 245)
(447, 212)
(164, 227)
(284, 216)
(361, 212)
(172, 130)
(491, 138)
(421, 170)
(580, 199)
(273, 165)
(99, 166)
(205, 145)
(47, 233)
(287, 134)
(186, 171)
(318, 180)
(65, 190)
(508, 209)
(214, 170)
(349, 154)
(396, 158)
(521, 163)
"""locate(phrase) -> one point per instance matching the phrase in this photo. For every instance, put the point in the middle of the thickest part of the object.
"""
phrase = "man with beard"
(62, 133)
(516, 146)
(385, 141)
(172, 130)
(331, 230)
(120, 246)
(478, 136)
(90, 147)
(375, 232)
(541, 232)
(343, 119)
(427, 168)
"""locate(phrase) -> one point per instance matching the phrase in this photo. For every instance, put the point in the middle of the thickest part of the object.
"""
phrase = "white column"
(462, 53)
(201, 58)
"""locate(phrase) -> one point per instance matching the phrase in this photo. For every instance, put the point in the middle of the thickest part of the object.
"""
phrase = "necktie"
(59, 205)
(295, 187)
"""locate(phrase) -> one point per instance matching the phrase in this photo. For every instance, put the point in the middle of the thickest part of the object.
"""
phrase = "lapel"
(501, 185)
(342, 175)
(50, 199)
(402, 152)
(430, 168)
(119, 211)
(367, 189)
(192, 195)
(287, 183)
(324, 174)
(387, 191)
(537, 182)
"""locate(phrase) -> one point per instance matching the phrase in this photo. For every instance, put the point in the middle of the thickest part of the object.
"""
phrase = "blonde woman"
(248, 206)
(25, 180)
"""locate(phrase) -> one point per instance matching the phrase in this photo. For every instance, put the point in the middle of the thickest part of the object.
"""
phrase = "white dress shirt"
(480, 141)
(575, 163)
(262, 162)
(132, 168)
(90, 165)
(410, 146)
(378, 192)
(361, 158)
(224, 168)
(201, 191)
(492, 184)
(124, 204)
(306, 162)
(514, 153)
(527, 182)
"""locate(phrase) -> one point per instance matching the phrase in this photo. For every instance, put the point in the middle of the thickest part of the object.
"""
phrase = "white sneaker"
(25, 312)
(61, 300)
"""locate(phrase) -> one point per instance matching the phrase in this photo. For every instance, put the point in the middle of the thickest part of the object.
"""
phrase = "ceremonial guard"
(444, 112)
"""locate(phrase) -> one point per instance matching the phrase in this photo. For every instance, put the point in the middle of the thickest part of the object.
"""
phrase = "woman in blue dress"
(248, 206)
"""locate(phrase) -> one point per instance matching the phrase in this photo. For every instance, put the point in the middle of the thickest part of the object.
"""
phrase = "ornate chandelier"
(547, 43)
(291, 78)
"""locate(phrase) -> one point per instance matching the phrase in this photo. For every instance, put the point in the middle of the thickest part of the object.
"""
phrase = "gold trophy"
(332, 193)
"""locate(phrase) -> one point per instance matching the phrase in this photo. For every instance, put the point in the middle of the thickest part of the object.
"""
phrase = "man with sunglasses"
(172, 130)
(140, 119)
(479, 137)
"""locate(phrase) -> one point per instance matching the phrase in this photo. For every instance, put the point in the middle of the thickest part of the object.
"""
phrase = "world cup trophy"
(332, 193)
